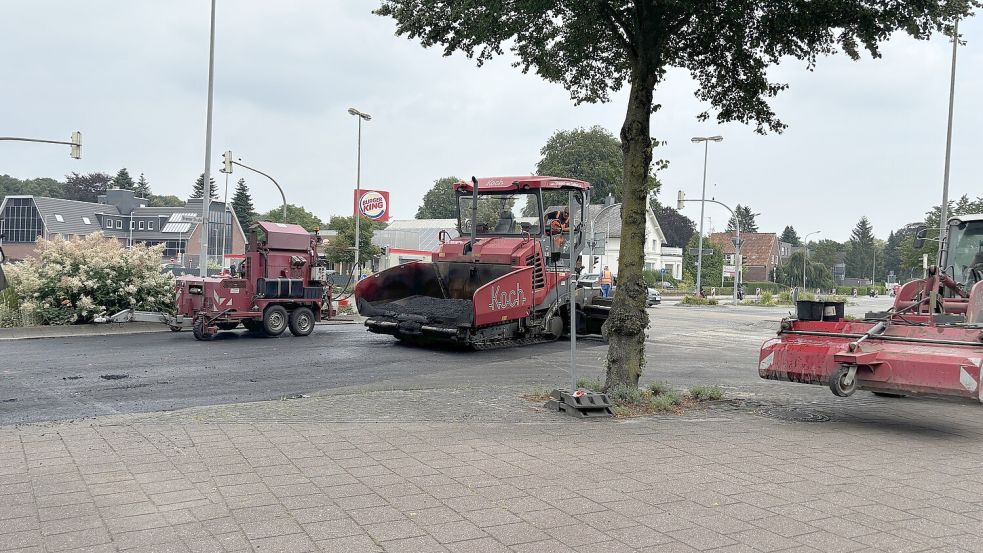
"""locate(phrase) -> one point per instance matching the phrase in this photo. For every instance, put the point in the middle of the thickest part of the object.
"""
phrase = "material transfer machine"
(279, 285)
(929, 343)
(504, 281)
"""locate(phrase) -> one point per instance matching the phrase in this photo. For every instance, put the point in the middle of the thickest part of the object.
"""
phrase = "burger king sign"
(373, 204)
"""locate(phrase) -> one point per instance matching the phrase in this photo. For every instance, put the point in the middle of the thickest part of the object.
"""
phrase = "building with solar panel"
(120, 215)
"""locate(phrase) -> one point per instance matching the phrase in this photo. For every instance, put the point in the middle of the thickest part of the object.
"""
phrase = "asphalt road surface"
(68, 378)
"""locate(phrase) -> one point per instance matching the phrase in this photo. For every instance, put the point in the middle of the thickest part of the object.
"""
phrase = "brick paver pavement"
(479, 470)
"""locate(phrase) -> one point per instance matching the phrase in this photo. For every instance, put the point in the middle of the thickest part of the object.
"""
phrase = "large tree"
(789, 236)
(677, 227)
(242, 205)
(743, 214)
(713, 264)
(199, 188)
(594, 155)
(817, 274)
(439, 202)
(296, 215)
(123, 180)
(165, 201)
(860, 250)
(142, 188)
(86, 188)
(596, 47)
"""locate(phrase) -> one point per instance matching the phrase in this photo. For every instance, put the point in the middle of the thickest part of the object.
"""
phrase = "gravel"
(435, 310)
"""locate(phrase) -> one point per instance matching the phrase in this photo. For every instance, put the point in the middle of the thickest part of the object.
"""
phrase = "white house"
(607, 228)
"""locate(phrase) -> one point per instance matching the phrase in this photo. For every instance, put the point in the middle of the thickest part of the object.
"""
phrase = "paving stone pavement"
(481, 470)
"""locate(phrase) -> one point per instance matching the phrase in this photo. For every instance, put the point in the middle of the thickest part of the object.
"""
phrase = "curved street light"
(358, 180)
(706, 140)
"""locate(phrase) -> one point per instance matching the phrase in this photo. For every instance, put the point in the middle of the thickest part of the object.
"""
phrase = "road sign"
(662, 270)
(696, 251)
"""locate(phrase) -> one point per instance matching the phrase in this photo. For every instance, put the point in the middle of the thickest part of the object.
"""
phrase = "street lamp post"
(207, 175)
(948, 146)
(737, 238)
(358, 181)
(805, 254)
(699, 259)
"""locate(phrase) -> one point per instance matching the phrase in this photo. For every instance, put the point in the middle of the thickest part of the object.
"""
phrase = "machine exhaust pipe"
(474, 214)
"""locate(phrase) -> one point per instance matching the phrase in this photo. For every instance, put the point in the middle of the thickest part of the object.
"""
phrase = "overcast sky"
(864, 138)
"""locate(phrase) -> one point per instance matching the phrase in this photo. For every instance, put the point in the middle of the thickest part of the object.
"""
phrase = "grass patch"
(666, 402)
(537, 395)
(592, 384)
(659, 388)
(696, 300)
(705, 392)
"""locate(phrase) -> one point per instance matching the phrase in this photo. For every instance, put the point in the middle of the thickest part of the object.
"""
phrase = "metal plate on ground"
(792, 414)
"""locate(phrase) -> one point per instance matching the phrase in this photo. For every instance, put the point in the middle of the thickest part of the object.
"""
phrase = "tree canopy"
(296, 215)
(439, 202)
(789, 236)
(677, 227)
(199, 188)
(242, 205)
(142, 188)
(87, 187)
(595, 48)
(341, 247)
(746, 217)
(123, 180)
(860, 250)
(713, 264)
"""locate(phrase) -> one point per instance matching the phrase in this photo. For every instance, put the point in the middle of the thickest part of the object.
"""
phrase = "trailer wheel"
(844, 381)
(199, 330)
(274, 320)
(301, 321)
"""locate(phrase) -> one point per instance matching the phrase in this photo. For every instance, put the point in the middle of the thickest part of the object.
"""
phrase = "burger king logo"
(373, 205)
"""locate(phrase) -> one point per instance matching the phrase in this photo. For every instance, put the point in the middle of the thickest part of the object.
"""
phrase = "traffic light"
(77, 145)
(680, 200)
(227, 160)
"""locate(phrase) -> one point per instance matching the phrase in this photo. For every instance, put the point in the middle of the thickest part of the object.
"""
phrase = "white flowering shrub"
(74, 281)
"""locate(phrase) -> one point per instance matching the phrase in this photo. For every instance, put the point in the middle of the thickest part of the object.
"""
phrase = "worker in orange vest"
(605, 281)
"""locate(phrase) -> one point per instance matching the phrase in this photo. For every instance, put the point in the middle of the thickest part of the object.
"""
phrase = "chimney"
(609, 200)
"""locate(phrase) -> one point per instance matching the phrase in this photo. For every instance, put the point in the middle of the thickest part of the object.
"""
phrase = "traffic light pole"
(278, 187)
(75, 143)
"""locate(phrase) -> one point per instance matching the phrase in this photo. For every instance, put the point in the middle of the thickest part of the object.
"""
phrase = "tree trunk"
(626, 324)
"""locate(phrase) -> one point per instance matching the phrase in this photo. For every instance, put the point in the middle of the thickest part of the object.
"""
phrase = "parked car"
(589, 280)
(654, 297)
(666, 285)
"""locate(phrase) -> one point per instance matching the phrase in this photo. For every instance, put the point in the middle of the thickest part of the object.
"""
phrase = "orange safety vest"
(606, 278)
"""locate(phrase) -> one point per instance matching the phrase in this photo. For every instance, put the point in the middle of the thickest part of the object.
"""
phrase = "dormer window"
(141, 225)
(119, 224)
(150, 225)
(109, 223)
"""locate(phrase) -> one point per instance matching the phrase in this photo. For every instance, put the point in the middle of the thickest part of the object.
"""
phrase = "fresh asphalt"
(70, 378)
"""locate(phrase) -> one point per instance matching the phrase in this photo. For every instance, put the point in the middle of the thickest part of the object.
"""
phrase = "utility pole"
(703, 196)
(207, 175)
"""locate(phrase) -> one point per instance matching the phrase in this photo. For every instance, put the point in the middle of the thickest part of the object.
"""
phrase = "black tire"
(200, 332)
(301, 321)
(837, 383)
(275, 320)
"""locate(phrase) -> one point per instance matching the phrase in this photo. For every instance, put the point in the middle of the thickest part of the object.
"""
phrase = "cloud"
(864, 138)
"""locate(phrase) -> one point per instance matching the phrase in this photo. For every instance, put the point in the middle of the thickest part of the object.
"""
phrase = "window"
(150, 226)
(132, 225)
(109, 224)
(119, 223)
(61, 219)
(141, 228)
(88, 221)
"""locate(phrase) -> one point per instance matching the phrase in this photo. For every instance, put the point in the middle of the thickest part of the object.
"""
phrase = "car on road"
(654, 297)
(589, 280)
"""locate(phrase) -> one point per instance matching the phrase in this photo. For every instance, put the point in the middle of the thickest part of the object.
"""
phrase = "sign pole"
(573, 299)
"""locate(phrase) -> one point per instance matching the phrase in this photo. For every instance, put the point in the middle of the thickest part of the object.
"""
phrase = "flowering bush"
(74, 281)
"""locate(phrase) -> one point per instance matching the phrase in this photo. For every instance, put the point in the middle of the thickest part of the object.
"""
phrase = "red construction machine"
(929, 343)
(279, 285)
(504, 281)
